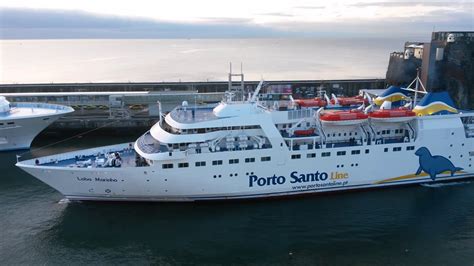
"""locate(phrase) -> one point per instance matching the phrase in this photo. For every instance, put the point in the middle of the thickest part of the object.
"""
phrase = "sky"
(228, 19)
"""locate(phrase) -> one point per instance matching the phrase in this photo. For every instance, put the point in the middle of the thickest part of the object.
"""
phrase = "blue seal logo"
(434, 164)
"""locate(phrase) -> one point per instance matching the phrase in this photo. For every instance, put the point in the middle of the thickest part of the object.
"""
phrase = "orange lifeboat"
(304, 132)
(343, 118)
(392, 115)
(350, 101)
(315, 102)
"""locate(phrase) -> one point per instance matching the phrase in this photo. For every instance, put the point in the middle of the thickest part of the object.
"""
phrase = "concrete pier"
(350, 86)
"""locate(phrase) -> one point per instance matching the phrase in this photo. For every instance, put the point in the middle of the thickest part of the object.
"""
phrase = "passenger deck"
(193, 114)
(93, 158)
(18, 110)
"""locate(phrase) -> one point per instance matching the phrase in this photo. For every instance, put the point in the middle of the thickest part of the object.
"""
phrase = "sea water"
(46, 61)
(415, 225)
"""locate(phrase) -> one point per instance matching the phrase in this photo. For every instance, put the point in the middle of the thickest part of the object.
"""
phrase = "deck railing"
(149, 145)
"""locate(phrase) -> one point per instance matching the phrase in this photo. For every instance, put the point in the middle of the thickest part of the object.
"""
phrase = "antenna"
(416, 87)
(257, 90)
(417, 90)
(241, 75)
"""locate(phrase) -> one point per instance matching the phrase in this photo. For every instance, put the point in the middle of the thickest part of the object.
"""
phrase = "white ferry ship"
(245, 149)
(21, 122)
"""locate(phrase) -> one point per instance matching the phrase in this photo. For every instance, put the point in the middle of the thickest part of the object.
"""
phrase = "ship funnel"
(393, 94)
(435, 103)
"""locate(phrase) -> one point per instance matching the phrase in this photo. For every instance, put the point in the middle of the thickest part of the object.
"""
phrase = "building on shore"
(446, 63)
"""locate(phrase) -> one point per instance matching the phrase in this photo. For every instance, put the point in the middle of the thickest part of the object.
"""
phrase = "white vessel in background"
(20, 123)
(241, 149)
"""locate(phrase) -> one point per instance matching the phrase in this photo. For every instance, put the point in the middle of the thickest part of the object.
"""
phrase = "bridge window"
(217, 162)
(385, 150)
(310, 155)
(367, 150)
(265, 159)
(183, 165)
(167, 166)
(397, 148)
(198, 164)
(296, 156)
(355, 152)
(249, 160)
(325, 154)
(341, 153)
(410, 148)
(10, 123)
(233, 161)
(251, 127)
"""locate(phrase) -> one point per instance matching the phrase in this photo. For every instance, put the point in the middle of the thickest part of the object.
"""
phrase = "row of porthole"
(451, 156)
(148, 180)
(219, 176)
(451, 145)
(352, 165)
(110, 191)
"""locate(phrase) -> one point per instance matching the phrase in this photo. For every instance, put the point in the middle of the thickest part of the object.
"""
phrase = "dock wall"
(123, 107)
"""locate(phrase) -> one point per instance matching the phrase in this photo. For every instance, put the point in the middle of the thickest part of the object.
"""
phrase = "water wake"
(447, 184)
(64, 201)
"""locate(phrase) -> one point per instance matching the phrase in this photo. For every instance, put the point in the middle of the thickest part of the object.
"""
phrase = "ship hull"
(280, 177)
(135, 186)
(21, 133)
(115, 195)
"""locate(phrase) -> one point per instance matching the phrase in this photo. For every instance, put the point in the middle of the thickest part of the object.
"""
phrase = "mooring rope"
(18, 156)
